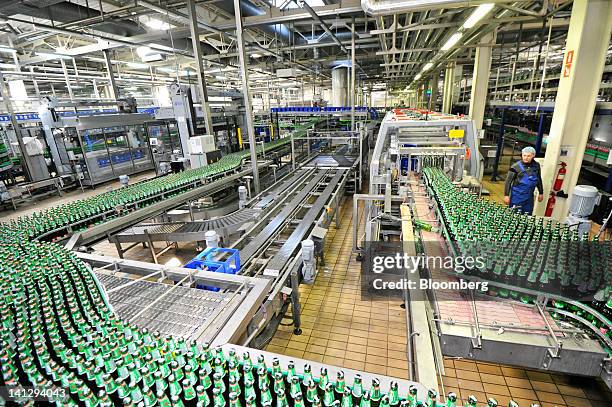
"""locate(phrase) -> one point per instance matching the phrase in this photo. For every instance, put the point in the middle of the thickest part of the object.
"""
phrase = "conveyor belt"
(262, 237)
(184, 231)
(334, 160)
(181, 312)
(288, 248)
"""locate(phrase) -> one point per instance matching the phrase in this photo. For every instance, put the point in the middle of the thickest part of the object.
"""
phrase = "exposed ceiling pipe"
(65, 12)
(249, 9)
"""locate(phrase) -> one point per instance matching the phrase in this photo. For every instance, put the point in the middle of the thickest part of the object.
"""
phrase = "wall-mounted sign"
(567, 65)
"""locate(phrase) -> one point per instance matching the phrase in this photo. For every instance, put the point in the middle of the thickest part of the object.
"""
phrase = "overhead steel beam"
(393, 51)
(119, 40)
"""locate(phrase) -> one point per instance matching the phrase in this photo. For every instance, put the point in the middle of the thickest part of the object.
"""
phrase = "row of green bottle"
(57, 330)
(88, 211)
(519, 249)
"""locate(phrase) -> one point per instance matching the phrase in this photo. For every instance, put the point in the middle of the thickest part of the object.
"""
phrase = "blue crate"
(208, 260)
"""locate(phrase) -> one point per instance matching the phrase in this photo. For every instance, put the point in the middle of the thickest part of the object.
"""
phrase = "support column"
(246, 93)
(585, 54)
(67, 79)
(197, 54)
(457, 79)
(447, 92)
(8, 106)
(114, 92)
(434, 89)
(353, 63)
(480, 81)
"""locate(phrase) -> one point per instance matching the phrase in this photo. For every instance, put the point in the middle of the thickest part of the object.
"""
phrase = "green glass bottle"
(339, 385)
(218, 399)
(262, 377)
(234, 401)
(281, 399)
(357, 389)
(323, 379)
(189, 392)
(347, 398)
(265, 394)
(375, 393)
(432, 397)
(202, 396)
(472, 401)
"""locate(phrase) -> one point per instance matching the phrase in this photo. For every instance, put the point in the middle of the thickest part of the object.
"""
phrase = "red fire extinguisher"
(550, 204)
(560, 176)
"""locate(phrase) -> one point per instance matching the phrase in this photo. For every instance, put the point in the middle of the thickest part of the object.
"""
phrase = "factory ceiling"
(149, 42)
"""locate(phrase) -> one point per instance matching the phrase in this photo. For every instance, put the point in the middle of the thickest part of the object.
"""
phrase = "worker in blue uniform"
(523, 178)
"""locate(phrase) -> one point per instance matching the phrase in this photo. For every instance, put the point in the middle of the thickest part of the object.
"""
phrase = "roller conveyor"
(194, 231)
(184, 231)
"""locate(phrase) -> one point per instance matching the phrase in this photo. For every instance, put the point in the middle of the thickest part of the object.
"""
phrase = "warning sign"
(567, 65)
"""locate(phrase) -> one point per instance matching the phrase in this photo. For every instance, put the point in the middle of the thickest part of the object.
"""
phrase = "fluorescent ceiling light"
(143, 51)
(137, 65)
(53, 56)
(173, 71)
(147, 54)
(477, 15)
(416, 78)
(451, 41)
(428, 66)
(155, 23)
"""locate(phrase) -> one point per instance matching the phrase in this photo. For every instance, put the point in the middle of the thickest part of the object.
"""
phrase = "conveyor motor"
(242, 196)
(582, 202)
(309, 261)
(124, 180)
